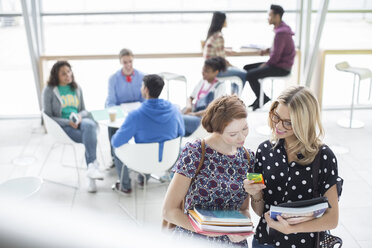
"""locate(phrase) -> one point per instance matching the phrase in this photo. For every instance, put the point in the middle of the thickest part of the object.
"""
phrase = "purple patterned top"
(219, 184)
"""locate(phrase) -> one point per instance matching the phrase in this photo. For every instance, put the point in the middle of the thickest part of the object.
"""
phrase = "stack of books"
(300, 210)
(223, 222)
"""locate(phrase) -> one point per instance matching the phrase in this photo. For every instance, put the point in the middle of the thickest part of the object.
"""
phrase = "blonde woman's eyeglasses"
(276, 119)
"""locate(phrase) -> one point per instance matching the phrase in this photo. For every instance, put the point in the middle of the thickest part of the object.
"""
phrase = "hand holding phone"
(75, 119)
(255, 177)
(254, 184)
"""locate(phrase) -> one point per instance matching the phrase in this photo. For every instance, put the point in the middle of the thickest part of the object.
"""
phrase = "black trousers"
(255, 72)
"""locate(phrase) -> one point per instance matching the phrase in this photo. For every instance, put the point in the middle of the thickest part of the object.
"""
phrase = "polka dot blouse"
(290, 182)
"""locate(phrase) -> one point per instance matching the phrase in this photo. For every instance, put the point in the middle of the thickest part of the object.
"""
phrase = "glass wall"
(158, 33)
(18, 95)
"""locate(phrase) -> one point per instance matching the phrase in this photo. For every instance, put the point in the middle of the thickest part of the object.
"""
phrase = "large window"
(155, 33)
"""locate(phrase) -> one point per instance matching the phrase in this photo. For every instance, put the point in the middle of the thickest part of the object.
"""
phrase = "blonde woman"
(286, 164)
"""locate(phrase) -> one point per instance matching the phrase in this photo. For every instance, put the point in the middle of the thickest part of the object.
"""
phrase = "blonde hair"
(304, 112)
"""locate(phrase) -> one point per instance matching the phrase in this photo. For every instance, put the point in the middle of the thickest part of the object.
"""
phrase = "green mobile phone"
(256, 177)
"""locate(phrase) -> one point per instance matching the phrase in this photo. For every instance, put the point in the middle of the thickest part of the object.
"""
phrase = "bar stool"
(169, 76)
(264, 129)
(362, 73)
(19, 189)
(235, 86)
(272, 79)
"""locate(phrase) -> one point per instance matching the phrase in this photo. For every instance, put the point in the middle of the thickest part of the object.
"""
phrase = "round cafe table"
(102, 116)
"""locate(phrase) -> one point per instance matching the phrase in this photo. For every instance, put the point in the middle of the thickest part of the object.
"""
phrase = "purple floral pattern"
(219, 184)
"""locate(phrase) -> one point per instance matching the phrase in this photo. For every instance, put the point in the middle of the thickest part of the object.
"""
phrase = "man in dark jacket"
(282, 55)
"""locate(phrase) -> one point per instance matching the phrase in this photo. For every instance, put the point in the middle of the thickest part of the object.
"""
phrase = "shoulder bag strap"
(201, 162)
(315, 171)
(246, 152)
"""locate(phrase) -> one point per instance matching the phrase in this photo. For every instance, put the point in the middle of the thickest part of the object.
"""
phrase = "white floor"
(26, 138)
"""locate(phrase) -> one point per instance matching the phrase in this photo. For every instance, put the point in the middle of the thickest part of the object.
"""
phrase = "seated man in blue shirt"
(124, 86)
(157, 120)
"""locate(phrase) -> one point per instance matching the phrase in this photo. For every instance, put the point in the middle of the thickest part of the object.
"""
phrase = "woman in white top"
(208, 89)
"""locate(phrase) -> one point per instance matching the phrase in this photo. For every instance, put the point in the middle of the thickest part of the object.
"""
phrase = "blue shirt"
(157, 120)
(121, 91)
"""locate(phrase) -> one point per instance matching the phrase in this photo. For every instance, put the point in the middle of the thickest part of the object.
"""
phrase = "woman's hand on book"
(297, 220)
(252, 188)
(213, 235)
(237, 238)
(281, 225)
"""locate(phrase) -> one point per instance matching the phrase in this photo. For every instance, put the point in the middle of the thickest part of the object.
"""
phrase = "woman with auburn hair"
(63, 101)
(286, 163)
(219, 183)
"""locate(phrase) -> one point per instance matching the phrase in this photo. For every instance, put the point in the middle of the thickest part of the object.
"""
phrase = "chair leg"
(52, 181)
(77, 166)
(352, 103)
(358, 92)
(134, 218)
(144, 195)
(101, 152)
(67, 165)
(261, 100)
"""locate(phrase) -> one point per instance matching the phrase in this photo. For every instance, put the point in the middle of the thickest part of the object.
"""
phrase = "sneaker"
(116, 187)
(93, 171)
(92, 187)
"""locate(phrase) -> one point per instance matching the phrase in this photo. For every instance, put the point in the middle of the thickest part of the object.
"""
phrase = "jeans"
(111, 132)
(86, 134)
(255, 244)
(125, 182)
(234, 71)
(254, 72)
(191, 123)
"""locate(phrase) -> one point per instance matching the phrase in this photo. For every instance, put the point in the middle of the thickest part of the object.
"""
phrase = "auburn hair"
(221, 111)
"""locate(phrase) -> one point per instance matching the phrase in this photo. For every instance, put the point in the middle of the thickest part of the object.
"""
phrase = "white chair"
(19, 189)
(199, 133)
(169, 76)
(143, 158)
(362, 73)
(271, 79)
(264, 129)
(60, 137)
(229, 82)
